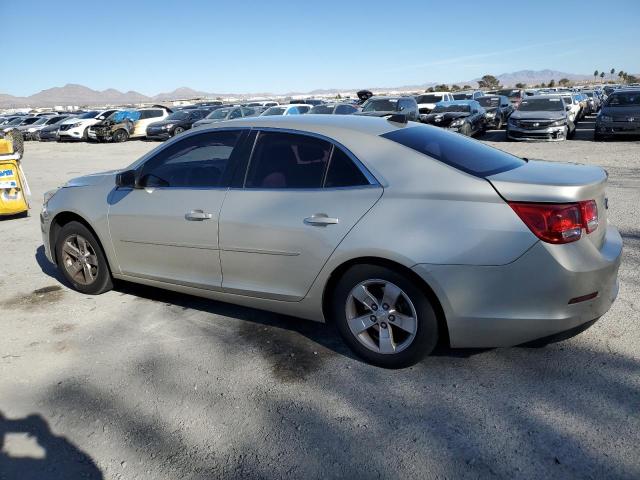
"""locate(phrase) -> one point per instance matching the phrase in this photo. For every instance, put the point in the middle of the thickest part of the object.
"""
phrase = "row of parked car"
(544, 114)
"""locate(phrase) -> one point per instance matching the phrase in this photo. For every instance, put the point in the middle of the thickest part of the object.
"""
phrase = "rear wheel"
(81, 259)
(384, 317)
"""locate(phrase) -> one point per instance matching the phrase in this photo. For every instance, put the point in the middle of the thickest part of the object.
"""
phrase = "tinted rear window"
(455, 150)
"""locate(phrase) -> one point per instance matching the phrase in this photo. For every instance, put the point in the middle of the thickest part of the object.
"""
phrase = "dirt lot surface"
(143, 383)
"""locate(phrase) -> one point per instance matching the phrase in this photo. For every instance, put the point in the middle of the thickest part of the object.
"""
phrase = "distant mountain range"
(80, 95)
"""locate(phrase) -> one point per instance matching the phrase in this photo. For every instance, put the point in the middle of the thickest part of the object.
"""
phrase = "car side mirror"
(126, 179)
(567, 108)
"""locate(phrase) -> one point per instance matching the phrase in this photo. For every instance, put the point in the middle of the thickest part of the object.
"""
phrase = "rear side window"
(286, 160)
(455, 150)
(144, 114)
(343, 172)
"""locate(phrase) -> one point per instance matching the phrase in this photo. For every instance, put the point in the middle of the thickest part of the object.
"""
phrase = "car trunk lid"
(553, 182)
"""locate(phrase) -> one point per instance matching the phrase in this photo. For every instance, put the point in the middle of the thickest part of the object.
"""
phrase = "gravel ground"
(143, 383)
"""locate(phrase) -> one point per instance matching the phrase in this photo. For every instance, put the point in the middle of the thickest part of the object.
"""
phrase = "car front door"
(299, 198)
(167, 228)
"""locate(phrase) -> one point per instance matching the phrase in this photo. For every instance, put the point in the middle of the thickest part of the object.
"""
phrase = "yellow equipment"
(14, 189)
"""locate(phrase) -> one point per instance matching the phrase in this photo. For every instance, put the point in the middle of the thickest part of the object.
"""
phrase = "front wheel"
(178, 131)
(120, 136)
(81, 259)
(384, 317)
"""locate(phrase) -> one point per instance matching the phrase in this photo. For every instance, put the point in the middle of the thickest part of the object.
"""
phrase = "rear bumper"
(528, 299)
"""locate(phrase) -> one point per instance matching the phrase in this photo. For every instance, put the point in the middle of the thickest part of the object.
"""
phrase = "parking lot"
(144, 383)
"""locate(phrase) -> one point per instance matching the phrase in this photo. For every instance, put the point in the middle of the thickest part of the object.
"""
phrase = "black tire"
(598, 137)
(426, 335)
(103, 281)
(85, 134)
(466, 130)
(500, 123)
(120, 136)
(177, 131)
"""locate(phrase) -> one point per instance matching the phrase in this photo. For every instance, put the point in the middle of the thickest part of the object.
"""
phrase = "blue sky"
(281, 46)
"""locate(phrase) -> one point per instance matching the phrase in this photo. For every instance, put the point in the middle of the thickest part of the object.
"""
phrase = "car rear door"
(168, 229)
(299, 197)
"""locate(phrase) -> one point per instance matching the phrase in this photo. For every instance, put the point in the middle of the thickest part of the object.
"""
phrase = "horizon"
(336, 49)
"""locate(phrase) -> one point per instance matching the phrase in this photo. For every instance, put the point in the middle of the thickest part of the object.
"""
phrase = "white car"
(427, 101)
(573, 103)
(147, 117)
(78, 128)
(291, 109)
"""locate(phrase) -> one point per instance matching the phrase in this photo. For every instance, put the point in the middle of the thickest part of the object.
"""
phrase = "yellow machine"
(14, 191)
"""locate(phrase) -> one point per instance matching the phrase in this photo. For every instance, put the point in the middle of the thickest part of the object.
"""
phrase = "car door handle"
(197, 216)
(320, 219)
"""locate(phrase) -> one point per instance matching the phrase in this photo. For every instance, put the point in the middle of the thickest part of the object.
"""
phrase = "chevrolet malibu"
(401, 234)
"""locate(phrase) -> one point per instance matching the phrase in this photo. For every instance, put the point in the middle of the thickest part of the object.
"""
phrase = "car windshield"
(42, 121)
(15, 121)
(451, 108)
(380, 105)
(55, 120)
(568, 100)
(541, 105)
(455, 150)
(489, 101)
(429, 98)
(461, 96)
(178, 116)
(624, 99)
(327, 109)
(88, 115)
(30, 121)
(219, 114)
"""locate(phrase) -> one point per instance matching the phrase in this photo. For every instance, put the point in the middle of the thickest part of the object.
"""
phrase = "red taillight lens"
(553, 223)
(589, 215)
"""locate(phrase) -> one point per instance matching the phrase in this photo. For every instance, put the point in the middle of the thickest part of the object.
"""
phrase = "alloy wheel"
(381, 316)
(79, 259)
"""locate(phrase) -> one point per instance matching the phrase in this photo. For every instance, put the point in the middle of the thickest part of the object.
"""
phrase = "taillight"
(558, 222)
(589, 215)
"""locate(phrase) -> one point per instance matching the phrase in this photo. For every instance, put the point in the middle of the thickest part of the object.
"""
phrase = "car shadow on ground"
(29, 450)
(321, 333)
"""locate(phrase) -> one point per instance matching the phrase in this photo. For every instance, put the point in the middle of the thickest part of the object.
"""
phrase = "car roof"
(320, 124)
(389, 97)
(544, 97)
(458, 102)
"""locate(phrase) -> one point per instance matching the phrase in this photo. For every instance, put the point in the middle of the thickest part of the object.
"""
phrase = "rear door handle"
(320, 220)
(197, 216)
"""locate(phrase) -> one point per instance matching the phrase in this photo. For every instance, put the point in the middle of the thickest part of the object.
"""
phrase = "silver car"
(401, 234)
